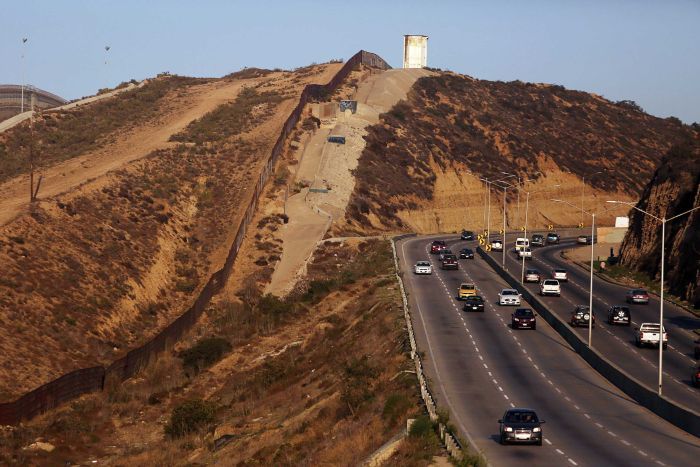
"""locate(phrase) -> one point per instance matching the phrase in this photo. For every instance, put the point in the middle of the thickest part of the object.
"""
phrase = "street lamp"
(517, 217)
(488, 216)
(583, 188)
(527, 205)
(24, 41)
(663, 221)
(590, 290)
(504, 186)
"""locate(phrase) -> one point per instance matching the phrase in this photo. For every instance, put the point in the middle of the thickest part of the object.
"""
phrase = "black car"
(466, 253)
(520, 426)
(467, 235)
(552, 238)
(523, 318)
(619, 315)
(474, 303)
(580, 316)
(449, 262)
(537, 240)
(696, 350)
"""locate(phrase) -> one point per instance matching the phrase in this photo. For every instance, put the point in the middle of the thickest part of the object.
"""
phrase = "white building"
(415, 51)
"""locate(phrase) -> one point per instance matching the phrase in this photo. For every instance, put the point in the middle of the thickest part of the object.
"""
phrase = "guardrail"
(681, 416)
(83, 381)
(451, 443)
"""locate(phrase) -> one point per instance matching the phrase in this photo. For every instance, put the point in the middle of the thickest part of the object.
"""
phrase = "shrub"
(205, 353)
(189, 417)
(395, 406)
(422, 428)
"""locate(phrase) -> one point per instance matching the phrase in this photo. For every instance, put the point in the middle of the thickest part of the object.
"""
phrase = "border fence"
(76, 383)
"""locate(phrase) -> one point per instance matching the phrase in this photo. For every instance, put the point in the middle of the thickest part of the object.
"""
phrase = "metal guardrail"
(83, 381)
(451, 443)
(681, 416)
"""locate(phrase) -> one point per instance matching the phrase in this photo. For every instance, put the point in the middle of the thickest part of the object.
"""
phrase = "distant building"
(11, 99)
(415, 51)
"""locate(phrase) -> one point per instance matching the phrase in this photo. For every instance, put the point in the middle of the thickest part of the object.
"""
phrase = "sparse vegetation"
(204, 353)
(189, 417)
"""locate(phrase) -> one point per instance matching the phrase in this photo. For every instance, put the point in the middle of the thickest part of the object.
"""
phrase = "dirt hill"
(114, 256)
(674, 188)
(413, 173)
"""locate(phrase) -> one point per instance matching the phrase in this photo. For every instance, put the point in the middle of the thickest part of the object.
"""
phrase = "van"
(521, 243)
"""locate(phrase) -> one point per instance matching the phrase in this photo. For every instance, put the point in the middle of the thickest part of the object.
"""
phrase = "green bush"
(422, 428)
(395, 406)
(189, 417)
(205, 353)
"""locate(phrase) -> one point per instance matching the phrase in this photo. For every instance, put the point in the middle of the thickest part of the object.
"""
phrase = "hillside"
(413, 171)
(103, 265)
(674, 188)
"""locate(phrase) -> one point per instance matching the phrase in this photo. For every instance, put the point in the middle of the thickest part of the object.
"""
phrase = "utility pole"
(24, 41)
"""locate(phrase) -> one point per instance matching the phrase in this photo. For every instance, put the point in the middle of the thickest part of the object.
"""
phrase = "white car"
(559, 274)
(496, 245)
(423, 267)
(525, 253)
(550, 287)
(509, 297)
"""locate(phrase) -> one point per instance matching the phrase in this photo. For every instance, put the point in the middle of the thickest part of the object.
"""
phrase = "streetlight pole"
(24, 41)
(583, 189)
(527, 206)
(663, 221)
(590, 287)
(488, 215)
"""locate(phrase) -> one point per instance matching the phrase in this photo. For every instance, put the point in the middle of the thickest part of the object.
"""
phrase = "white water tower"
(415, 51)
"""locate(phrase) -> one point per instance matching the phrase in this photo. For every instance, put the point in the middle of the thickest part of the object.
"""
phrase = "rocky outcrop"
(673, 189)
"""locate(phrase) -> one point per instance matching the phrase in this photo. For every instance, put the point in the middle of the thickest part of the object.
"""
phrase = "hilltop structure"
(415, 51)
(11, 99)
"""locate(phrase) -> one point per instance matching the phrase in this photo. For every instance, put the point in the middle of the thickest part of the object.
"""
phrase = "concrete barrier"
(679, 415)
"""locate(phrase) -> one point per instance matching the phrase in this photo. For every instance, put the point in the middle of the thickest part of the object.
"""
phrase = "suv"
(537, 240)
(466, 290)
(560, 275)
(637, 296)
(523, 318)
(550, 287)
(580, 316)
(648, 333)
(437, 246)
(619, 315)
(497, 245)
(466, 253)
(467, 235)
(552, 238)
(520, 426)
(509, 297)
(532, 275)
(449, 262)
(423, 267)
(444, 252)
(473, 303)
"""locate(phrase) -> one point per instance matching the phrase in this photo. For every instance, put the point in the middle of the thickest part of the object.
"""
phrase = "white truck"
(648, 334)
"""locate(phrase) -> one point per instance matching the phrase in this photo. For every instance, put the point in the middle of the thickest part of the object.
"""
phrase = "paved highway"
(479, 367)
(616, 342)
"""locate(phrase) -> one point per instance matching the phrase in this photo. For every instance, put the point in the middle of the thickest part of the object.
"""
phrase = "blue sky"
(646, 51)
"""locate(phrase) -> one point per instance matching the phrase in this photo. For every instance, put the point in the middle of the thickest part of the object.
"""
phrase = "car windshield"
(524, 312)
(509, 292)
(423, 263)
(467, 287)
(521, 417)
(475, 299)
(560, 271)
(531, 271)
(551, 282)
(639, 292)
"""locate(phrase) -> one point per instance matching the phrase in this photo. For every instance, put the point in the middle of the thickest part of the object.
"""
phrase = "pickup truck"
(648, 334)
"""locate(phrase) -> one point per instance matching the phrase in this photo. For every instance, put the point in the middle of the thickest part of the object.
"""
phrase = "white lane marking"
(560, 451)
(547, 441)
(625, 442)
(598, 425)
(587, 416)
(642, 453)
(571, 461)
(612, 434)
(512, 405)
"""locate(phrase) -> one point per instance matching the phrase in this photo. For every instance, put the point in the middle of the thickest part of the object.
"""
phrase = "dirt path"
(329, 166)
(136, 144)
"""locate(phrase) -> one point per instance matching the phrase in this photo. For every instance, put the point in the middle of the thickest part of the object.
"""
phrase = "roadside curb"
(679, 415)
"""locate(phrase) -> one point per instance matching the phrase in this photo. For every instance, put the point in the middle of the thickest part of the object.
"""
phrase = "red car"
(696, 377)
(437, 246)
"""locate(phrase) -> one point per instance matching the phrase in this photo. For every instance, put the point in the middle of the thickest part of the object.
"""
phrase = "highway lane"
(479, 367)
(615, 342)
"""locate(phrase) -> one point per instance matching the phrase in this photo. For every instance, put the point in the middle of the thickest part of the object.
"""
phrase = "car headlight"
(509, 429)
(516, 319)
(536, 429)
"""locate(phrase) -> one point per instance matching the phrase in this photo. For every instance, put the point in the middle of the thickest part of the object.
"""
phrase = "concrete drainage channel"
(681, 416)
(449, 439)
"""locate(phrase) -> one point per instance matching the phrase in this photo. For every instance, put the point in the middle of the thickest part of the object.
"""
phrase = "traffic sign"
(580, 225)
(482, 241)
(500, 231)
(550, 227)
(488, 247)
(522, 228)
